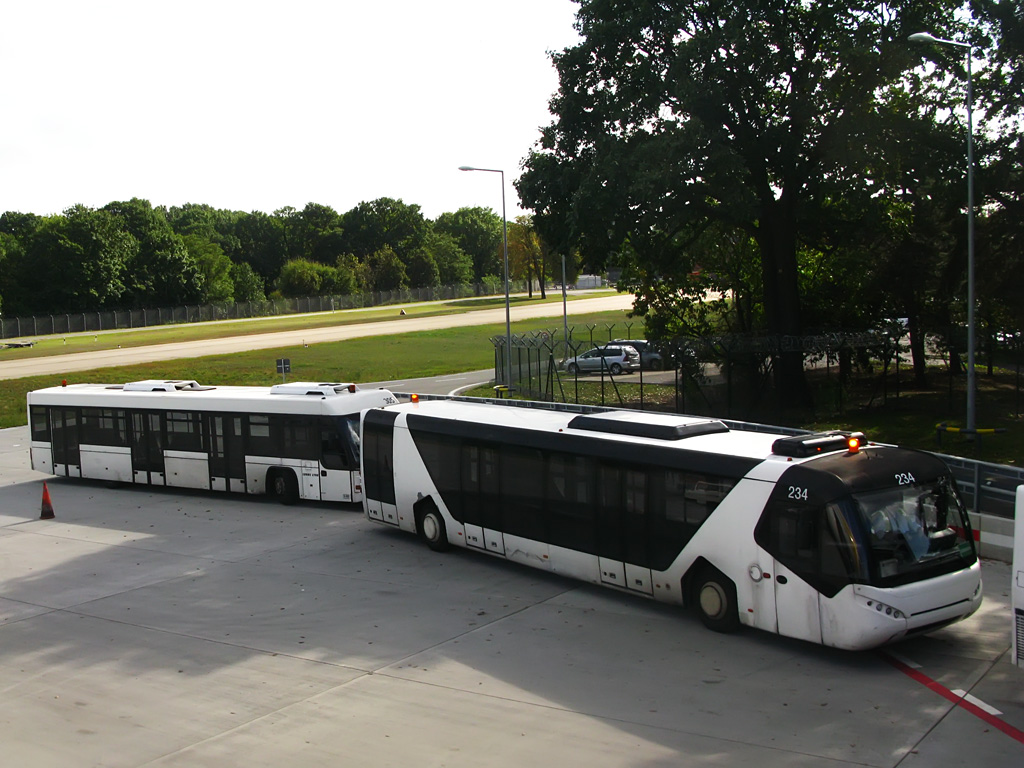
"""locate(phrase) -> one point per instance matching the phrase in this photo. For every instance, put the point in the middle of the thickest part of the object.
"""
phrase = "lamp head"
(923, 37)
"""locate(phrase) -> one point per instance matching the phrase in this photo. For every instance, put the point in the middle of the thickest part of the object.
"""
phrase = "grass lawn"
(166, 334)
(909, 419)
(379, 358)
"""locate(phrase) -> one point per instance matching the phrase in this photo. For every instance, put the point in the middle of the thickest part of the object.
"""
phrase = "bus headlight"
(888, 610)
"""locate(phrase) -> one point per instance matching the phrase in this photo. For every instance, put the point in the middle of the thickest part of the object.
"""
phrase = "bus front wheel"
(432, 528)
(284, 486)
(716, 601)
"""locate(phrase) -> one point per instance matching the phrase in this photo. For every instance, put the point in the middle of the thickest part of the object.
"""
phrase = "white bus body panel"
(578, 565)
(750, 568)
(256, 473)
(42, 457)
(526, 551)
(106, 462)
(309, 480)
(184, 469)
(336, 485)
(943, 599)
(613, 572)
(486, 539)
(797, 605)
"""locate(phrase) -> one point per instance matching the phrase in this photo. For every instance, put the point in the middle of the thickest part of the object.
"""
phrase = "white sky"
(256, 105)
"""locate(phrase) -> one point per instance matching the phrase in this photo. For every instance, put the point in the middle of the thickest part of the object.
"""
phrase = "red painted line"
(947, 694)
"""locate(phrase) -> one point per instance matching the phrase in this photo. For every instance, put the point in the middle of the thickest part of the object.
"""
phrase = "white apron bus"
(295, 440)
(817, 537)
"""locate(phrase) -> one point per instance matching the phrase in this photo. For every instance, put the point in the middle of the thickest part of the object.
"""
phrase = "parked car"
(650, 358)
(611, 358)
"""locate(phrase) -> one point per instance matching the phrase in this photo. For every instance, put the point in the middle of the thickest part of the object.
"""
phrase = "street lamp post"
(508, 312)
(926, 37)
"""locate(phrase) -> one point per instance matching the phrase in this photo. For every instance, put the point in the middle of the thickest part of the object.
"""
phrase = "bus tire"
(283, 485)
(716, 600)
(430, 524)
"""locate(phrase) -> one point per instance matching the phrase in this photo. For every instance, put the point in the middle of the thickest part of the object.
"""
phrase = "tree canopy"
(132, 254)
(774, 149)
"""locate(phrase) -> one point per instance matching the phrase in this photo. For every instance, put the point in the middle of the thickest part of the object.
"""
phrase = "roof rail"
(313, 388)
(657, 431)
(164, 385)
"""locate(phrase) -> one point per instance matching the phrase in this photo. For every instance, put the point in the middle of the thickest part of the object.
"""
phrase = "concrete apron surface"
(147, 627)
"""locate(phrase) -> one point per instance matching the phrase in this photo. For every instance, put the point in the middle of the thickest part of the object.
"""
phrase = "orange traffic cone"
(47, 513)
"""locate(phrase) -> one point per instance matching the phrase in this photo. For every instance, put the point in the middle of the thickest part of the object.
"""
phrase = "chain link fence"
(93, 322)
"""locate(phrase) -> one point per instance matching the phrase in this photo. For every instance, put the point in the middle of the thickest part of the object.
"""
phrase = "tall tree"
(261, 244)
(79, 261)
(214, 267)
(385, 271)
(454, 266)
(382, 223)
(162, 272)
(526, 253)
(682, 117)
(478, 233)
(246, 284)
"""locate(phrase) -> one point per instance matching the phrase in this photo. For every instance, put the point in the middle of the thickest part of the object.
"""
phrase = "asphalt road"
(84, 361)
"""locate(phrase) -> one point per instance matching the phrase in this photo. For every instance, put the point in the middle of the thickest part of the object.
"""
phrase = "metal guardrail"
(996, 485)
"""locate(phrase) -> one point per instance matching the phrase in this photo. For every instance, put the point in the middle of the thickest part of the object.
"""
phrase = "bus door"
(146, 438)
(622, 529)
(339, 457)
(226, 453)
(481, 498)
(65, 441)
(792, 536)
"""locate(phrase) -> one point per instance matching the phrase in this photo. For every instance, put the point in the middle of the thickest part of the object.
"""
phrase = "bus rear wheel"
(432, 529)
(283, 485)
(716, 601)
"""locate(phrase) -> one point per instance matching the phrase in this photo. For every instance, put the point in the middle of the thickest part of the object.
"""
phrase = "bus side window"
(796, 539)
(522, 493)
(379, 478)
(298, 437)
(569, 502)
(260, 440)
(442, 456)
(104, 426)
(610, 537)
(184, 431)
(40, 423)
(334, 453)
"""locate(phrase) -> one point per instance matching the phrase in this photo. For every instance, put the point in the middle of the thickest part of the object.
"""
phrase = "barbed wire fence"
(729, 376)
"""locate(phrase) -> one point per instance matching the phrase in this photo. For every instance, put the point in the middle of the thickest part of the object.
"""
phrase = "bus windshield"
(914, 530)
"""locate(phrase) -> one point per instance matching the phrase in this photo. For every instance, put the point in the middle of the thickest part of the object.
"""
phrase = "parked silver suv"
(611, 358)
(650, 358)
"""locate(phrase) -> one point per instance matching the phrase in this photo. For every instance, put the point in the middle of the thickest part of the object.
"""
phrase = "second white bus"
(818, 537)
(294, 440)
